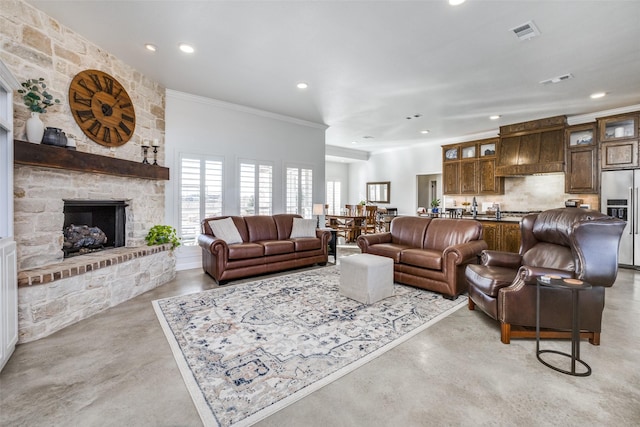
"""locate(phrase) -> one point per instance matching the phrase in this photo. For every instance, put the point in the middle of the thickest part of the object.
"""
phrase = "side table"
(333, 242)
(575, 286)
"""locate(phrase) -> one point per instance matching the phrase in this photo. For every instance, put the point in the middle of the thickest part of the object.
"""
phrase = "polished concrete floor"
(116, 369)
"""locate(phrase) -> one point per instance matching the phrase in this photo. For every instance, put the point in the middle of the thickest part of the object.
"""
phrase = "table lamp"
(318, 209)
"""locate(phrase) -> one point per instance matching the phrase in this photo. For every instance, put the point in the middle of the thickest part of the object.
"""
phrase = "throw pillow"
(226, 230)
(303, 228)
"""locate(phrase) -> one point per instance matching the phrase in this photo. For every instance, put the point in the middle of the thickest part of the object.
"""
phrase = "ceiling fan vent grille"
(526, 31)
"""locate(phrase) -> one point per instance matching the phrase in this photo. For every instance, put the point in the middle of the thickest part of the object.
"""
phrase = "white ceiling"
(371, 64)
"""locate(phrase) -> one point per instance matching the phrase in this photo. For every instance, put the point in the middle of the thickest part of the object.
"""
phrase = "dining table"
(351, 225)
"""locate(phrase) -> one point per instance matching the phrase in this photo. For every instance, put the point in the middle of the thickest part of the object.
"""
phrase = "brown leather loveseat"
(568, 243)
(266, 246)
(429, 253)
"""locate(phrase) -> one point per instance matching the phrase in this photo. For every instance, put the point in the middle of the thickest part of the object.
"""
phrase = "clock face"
(102, 108)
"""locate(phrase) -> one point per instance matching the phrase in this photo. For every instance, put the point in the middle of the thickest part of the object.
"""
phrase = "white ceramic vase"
(35, 128)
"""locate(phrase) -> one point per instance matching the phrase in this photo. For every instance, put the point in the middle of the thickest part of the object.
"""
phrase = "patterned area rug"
(246, 351)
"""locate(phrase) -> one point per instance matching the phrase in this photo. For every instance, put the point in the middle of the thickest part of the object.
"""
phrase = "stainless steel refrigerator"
(619, 198)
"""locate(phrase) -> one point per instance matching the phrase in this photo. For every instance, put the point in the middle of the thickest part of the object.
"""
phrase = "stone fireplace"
(107, 216)
(54, 187)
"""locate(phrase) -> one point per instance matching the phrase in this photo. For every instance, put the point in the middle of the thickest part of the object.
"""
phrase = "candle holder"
(145, 150)
(155, 155)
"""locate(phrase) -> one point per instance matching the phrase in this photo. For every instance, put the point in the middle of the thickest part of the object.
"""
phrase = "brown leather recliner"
(568, 242)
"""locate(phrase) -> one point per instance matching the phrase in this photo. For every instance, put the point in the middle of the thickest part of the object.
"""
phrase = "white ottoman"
(366, 278)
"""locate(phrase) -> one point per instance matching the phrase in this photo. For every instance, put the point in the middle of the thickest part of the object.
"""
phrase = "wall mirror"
(379, 192)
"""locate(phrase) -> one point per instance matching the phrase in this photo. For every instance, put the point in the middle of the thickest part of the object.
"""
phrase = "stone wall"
(34, 45)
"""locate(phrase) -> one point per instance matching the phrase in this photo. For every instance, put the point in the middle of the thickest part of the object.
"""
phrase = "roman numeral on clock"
(83, 84)
(127, 105)
(94, 128)
(96, 81)
(127, 118)
(106, 136)
(124, 128)
(80, 100)
(117, 134)
(108, 84)
(84, 115)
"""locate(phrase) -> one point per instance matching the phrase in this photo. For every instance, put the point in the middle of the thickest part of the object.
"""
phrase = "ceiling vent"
(526, 31)
(557, 79)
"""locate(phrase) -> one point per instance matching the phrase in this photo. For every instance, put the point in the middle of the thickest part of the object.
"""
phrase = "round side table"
(574, 286)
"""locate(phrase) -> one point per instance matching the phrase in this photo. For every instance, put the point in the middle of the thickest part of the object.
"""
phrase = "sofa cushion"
(307, 243)
(276, 247)
(489, 279)
(303, 228)
(226, 230)
(389, 250)
(443, 233)
(261, 227)
(425, 258)
(245, 250)
(549, 255)
(409, 231)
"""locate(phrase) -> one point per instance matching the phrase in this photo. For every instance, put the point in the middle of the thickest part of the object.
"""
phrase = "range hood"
(531, 148)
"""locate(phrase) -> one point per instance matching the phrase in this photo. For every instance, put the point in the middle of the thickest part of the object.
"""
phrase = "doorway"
(429, 188)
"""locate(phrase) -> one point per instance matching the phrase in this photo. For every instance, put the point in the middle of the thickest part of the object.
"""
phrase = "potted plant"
(36, 97)
(162, 234)
(434, 205)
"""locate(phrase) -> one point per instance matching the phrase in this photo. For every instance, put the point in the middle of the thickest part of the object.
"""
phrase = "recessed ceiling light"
(186, 48)
(150, 47)
(354, 142)
(598, 95)
(426, 131)
(495, 117)
(456, 2)
(302, 85)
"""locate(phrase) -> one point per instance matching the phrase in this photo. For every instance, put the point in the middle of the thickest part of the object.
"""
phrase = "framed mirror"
(379, 192)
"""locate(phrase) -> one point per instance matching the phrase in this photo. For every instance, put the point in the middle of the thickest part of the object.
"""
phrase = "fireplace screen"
(92, 225)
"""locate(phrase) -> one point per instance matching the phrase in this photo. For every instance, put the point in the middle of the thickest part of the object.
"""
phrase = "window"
(256, 188)
(299, 198)
(333, 197)
(200, 194)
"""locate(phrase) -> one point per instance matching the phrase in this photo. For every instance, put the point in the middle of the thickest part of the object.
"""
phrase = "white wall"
(198, 125)
(400, 167)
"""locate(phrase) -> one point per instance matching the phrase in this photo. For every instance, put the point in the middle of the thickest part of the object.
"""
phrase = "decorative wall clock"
(102, 108)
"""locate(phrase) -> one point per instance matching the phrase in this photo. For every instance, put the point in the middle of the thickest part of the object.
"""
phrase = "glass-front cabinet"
(619, 141)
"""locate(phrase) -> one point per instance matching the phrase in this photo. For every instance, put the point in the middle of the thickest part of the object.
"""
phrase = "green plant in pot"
(162, 234)
(37, 99)
(434, 205)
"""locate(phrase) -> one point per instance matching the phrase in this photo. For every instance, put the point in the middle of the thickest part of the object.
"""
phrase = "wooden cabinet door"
(488, 182)
(552, 146)
(451, 178)
(509, 149)
(581, 174)
(510, 237)
(619, 155)
(490, 235)
(468, 177)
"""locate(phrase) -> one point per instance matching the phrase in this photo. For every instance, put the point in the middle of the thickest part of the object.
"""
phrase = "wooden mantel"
(51, 156)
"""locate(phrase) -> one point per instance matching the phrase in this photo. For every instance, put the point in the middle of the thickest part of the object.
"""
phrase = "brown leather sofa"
(265, 248)
(429, 253)
(568, 242)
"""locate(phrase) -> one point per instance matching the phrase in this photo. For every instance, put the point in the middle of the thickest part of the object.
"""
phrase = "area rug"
(248, 350)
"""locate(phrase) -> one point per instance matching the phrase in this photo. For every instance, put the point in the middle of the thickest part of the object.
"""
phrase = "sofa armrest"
(366, 240)
(466, 252)
(324, 235)
(212, 244)
(530, 274)
(501, 259)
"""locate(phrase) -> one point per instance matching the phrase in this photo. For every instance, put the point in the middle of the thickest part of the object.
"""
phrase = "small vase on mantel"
(35, 128)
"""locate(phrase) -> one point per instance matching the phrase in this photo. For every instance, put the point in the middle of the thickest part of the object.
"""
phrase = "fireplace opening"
(89, 219)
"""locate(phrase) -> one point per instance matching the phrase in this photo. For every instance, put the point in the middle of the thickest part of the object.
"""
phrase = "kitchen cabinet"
(531, 147)
(581, 154)
(468, 168)
(619, 141)
(501, 235)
